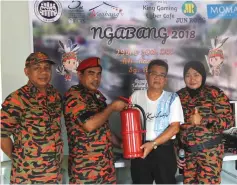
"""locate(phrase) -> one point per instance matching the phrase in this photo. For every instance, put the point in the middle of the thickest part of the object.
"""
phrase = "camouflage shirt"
(90, 153)
(216, 112)
(34, 121)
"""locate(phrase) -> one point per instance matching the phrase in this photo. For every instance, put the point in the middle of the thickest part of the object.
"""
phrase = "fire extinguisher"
(132, 130)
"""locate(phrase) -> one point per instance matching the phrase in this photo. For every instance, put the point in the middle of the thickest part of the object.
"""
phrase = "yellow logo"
(189, 8)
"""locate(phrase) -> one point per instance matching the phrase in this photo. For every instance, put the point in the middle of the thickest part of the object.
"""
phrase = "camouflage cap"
(37, 57)
(88, 63)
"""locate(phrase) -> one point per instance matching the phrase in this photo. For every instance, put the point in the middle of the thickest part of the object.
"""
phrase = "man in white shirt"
(164, 115)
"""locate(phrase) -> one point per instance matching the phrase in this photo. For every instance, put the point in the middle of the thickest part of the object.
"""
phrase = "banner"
(126, 35)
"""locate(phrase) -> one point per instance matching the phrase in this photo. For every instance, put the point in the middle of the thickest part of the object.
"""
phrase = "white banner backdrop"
(126, 35)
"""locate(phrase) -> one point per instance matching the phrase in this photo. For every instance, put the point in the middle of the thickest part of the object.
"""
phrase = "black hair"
(158, 62)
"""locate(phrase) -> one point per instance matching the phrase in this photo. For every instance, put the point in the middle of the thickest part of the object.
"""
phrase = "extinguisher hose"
(144, 122)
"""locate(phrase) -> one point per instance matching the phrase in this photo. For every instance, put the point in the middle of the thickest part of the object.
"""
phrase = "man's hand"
(6, 146)
(148, 147)
(118, 105)
(181, 163)
(196, 118)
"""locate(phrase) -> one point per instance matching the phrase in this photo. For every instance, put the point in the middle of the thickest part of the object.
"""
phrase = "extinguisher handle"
(125, 99)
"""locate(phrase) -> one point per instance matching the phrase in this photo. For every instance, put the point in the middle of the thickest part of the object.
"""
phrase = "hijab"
(199, 67)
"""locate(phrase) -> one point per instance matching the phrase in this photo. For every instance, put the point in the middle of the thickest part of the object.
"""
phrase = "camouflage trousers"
(204, 167)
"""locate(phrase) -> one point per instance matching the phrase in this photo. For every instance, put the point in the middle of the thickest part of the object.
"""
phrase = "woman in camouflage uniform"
(207, 114)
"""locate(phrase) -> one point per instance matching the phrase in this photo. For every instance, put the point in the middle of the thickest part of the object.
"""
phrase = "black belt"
(206, 145)
(169, 142)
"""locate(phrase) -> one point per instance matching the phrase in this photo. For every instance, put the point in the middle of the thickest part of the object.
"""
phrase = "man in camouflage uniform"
(207, 113)
(89, 137)
(32, 115)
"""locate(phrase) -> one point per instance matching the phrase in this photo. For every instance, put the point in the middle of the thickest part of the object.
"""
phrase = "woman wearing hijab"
(207, 113)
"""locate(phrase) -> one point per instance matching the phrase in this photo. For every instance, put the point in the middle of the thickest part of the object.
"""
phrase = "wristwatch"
(154, 144)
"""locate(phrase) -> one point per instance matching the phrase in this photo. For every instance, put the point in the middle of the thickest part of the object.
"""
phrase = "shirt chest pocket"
(36, 120)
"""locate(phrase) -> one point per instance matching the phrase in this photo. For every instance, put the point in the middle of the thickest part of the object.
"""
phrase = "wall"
(16, 46)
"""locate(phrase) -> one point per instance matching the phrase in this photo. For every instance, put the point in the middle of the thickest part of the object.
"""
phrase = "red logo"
(92, 14)
(115, 12)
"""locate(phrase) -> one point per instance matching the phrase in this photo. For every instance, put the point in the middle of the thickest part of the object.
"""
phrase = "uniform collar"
(97, 93)
(35, 91)
(198, 93)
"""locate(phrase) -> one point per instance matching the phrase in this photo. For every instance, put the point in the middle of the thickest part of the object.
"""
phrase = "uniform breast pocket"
(36, 120)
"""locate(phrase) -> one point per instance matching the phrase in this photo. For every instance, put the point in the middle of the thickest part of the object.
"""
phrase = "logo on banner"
(76, 12)
(189, 8)
(222, 11)
(48, 10)
(111, 11)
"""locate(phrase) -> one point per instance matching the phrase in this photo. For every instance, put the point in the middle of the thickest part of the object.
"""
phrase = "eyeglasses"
(156, 75)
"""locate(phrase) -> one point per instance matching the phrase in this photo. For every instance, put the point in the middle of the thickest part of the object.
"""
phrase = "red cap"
(88, 63)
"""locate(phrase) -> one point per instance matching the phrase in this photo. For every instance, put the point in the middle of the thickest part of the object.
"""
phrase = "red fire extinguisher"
(132, 130)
